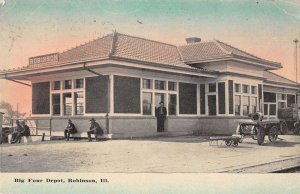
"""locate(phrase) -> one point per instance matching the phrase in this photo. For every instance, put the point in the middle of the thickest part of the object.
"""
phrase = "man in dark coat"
(94, 129)
(15, 133)
(25, 131)
(161, 113)
(70, 129)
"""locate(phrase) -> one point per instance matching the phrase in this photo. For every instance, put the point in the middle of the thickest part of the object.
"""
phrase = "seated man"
(70, 129)
(25, 131)
(94, 129)
(15, 133)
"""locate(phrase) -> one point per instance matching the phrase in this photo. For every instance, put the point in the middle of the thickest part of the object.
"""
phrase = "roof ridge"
(238, 49)
(113, 43)
(220, 46)
(147, 39)
(281, 77)
(194, 43)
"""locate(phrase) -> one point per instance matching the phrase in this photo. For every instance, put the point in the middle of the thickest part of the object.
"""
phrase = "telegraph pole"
(296, 42)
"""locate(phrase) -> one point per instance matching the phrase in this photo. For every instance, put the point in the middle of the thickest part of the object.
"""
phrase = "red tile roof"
(200, 51)
(98, 48)
(275, 78)
(130, 47)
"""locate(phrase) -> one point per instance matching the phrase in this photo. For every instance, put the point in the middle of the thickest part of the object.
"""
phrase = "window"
(202, 99)
(67, 84)
(246, 105)
(269, 97)
(272, 109)
(266, 109)
(290, 100)
(160, 97)
(281, 104)
(79, 103)
(187, 98)
(253, 90)
(67, 103)
(172, 86)
(147, 84)
(172, 104)
(212, 87)
(56, 104)
(254, 104)
(212, 108)
(147, 103)
(281, 96)
(56, 85)
(40, 98)
(160, 85)
(79, 83)
(221, 97)
(237, 88)
(246, 89)
(237, 108)
(96, 94)
(69, 99)
(127, 94)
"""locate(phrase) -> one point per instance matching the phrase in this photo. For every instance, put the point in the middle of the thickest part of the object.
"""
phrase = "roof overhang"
(26, 73)
(266, 65)
(281, 85)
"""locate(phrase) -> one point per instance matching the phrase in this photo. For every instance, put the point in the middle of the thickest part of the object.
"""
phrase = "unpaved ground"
(169, 154)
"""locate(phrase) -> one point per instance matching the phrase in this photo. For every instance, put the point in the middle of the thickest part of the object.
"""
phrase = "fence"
(36, 126)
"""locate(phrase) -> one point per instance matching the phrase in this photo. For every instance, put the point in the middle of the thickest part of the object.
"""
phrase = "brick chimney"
(192, 40)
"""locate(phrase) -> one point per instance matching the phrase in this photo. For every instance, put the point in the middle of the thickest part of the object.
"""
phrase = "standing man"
(161, 113)
(25, 131)
(94, 129)
(70, 129)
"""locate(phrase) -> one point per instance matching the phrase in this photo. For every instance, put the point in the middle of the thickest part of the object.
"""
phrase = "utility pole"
(296, 42)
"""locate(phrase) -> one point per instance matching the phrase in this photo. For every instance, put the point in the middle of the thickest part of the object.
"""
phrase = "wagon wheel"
(254, 132)
(283, 127)
(273, 134)
(228, 142)
(260, 135)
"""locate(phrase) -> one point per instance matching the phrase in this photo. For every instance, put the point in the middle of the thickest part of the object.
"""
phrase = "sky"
(265, 28)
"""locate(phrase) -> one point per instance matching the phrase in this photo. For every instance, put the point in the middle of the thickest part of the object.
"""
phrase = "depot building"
(207, 87)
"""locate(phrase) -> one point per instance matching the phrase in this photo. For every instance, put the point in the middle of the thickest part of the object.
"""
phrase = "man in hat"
(161, 113)
(70, 129)
(94, 129)
(24, 131)
(15, 133)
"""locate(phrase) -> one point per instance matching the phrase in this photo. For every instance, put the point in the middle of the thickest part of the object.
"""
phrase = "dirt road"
(168, 154)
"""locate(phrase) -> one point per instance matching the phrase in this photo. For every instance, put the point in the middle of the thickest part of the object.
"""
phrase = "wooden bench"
(76, 136)
(27, 139)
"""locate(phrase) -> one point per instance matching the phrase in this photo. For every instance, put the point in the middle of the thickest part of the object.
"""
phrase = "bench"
(28, 139)
(76, 136)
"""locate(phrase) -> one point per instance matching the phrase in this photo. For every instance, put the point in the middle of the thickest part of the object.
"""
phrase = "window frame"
(248, 94)
(62, 91)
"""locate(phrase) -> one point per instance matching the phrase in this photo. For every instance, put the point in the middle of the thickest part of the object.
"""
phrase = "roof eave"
(266, 64)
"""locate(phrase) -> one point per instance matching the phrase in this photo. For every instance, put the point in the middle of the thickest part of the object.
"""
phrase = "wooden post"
(36, 127)
(50, 127)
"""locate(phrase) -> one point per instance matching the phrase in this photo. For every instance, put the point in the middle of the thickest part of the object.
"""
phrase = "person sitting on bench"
(17, 130)
(25, 131)
(70, 129)
(94, 129)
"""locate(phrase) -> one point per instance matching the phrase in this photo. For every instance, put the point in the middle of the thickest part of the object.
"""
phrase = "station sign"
(53, 57)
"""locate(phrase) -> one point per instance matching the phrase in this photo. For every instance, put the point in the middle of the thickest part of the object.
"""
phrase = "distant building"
(206, 86)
